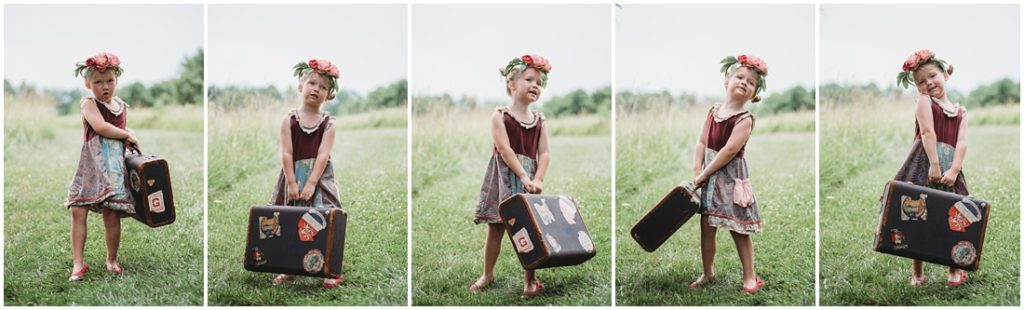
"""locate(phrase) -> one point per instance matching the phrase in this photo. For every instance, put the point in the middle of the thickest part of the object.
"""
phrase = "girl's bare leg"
(745, 249)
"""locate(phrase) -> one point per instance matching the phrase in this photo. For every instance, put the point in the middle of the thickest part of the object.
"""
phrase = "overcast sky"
(868, 43)
(257, 45)
(42, 43)
(678, 47)
(458, 49)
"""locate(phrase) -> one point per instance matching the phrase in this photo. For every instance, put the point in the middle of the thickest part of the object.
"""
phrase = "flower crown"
(321, 66)
(99, 62)
(916, 60)
(753, 62)
(528, 61)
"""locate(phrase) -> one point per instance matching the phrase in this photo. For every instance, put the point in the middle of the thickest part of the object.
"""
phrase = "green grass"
(450, 152)
(370, 167)
(655, 152)
(861, 148)
(163, 266)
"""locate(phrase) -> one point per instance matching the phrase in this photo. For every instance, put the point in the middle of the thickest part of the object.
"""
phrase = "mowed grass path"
(163, 266)
(654, 155)
(860, 155)
(370, 167)
(450, 155)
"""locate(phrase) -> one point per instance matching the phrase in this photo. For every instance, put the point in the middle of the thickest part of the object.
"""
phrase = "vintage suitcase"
(149, 181)
(546, 231)
(666, 217)
(296, 240)
(932, 225)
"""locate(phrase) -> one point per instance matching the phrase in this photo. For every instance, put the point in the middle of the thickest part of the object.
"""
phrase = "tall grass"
(369, 159)
(862, 146)
(450, 153)
(655, 152)
(163, 266)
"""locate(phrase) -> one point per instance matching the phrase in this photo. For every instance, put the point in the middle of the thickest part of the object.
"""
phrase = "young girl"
(307, 136)
(98, 184)
(721, 171)
(519, 159)
(940, 139)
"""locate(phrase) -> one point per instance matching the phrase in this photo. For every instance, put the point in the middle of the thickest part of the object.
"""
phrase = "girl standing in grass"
(519, 160)
(98, 184)
(940, 139)
(307, 137)
(720, 170)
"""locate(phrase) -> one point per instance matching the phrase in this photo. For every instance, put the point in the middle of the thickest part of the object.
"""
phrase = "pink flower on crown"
(324, 66)
(102, 61)
(753, 62)
(916, 59)
(537, 62)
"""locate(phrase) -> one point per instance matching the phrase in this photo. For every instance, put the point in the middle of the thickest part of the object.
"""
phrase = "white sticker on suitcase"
(585, 242)
(568, 209)
(522, 241)
(553, 243)
(156, 202)
(545, 213)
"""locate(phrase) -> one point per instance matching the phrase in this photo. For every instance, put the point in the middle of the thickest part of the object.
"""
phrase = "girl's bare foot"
(78, 273)
(702, 280)
(917, 279)
(481, 283)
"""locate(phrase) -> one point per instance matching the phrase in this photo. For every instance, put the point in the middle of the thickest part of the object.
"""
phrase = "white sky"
(42, 43)
(458, 49)
(679, 47)
(257, 45)
(868, 43)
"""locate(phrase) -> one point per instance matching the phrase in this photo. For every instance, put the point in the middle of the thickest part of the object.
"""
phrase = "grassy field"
(370, 167)
(450, 154)
(862, 147)
(655, 152)
(163, 266)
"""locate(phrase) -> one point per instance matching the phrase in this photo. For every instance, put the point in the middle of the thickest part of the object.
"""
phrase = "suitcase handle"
(288, 202)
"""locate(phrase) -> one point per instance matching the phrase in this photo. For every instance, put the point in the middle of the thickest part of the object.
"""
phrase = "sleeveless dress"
(727, 200)
(500, 182)
(99, 181)
(947, 130)
(305, 146)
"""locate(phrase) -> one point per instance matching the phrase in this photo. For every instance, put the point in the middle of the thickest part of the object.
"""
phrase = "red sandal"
(963, 278)
(757, 287)
(333, 282)
(536, 291)
(117, 269)
(80, 274)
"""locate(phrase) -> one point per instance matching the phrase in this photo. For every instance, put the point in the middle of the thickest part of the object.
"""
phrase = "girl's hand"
(307, 191)
(538, 186)
(527, 185)
(934, 174)
(700, 180)
(949, 177)
(131, 141)
(293, 193)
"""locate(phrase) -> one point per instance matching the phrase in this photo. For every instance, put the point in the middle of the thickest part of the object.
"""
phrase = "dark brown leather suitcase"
(546, 231)
(666, 217)
(149, 182)
(296, 240)
(932, 225)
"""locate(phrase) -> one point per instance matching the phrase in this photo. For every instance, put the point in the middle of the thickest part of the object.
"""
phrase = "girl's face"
(741, 83)
(931, 80)
(527, 87)
(315, 88)
(102, 84)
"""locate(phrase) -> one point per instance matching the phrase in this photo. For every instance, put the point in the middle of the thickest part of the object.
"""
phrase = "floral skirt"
(500, 183)
(915, 168)
(99, 181)
(719, 197)
(325, 195)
